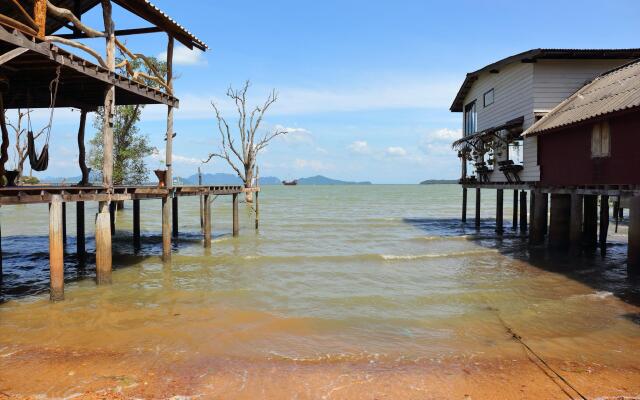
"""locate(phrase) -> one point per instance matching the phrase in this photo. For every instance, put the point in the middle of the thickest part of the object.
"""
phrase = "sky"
(364, 87)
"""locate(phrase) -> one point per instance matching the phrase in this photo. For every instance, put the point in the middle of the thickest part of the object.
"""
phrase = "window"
(488, 98)
(470, 118)
(600, 140)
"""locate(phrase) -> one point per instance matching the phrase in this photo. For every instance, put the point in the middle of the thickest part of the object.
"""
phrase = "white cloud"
(360, 147)
(438, 142)
(396, 151)
(183, 56)
(295, 136)
(177, 158)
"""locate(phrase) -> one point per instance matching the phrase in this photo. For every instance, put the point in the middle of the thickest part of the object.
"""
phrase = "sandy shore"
(35, 373)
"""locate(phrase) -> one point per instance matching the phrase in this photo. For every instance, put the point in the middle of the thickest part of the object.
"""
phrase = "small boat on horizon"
(290, 183)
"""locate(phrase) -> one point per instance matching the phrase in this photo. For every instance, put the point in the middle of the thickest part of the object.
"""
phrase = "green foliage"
(29, 180)
(130, 147)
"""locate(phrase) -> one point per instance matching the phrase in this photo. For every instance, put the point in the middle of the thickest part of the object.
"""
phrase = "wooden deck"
(43, 194)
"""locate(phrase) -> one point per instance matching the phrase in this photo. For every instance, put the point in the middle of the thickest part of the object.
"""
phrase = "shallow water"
(377, 276)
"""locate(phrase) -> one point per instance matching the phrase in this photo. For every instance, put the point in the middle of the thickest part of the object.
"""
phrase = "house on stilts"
(525, 123)
(36, 72)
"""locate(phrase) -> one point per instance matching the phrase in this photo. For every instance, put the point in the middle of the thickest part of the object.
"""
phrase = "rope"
(519, 339)
(54, 95)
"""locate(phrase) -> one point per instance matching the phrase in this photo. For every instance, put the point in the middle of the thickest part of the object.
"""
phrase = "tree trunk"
(248, 183)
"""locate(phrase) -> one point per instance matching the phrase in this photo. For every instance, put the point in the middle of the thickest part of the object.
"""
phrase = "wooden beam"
(109, 99)
(559, 228)
(80, 234)
(523, 211)
(166, 228)
(12, 23)
(169, 137)
(10, 55)
(514, 224)
(207, 221)
(117, 32)
(477, 220)
(590, 218)
(64, 224)
(56, 252)
(236, 222)
(537, 233)
(464, 205)
(633, 248)
(499, 211)
(40, 16)
(136, 224)
(174, 216)
(604, 221)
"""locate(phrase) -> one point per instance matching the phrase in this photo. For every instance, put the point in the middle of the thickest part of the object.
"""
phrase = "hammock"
(41, 162)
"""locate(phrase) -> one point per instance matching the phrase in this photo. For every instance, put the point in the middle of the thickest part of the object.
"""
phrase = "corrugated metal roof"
(613, 91)
(541, 54)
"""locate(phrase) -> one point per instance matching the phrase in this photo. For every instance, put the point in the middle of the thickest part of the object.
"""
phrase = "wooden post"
(590, 229)
(604, 221)
(236, 223)
(174, 214)
(616, 213)
(56, 252)
(545, 211)
(499, 211)
(169, 146)
(532, 208)
(136, 224)
(633, 249)
(166, 228)
(0, 257)
(257, 211)
(515, 210)
(201, 201)
(523, 211)
(112, 217)
(464, 205)
(207, 221)
(560, 220)
(80, 234)
(536, 235)
(81, 150)
(40, 16)
(575, 233)
(103, 244)
(109, 98)
(64, 224)
(477, 221)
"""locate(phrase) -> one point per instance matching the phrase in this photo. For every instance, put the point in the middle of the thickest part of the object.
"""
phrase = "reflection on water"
(379, 276)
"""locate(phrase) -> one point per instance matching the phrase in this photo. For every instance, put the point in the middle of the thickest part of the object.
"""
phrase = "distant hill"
(438, 181)
(225, 179)
(323, 180)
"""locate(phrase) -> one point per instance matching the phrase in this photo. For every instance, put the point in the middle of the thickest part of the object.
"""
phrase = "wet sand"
(31, 373)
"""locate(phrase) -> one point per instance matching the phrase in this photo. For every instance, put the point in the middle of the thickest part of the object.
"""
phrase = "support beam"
(575, 231)
(56, 251)
(236, 223)
(84, 180)
(136, 224)
(464, 205)
(40, 16)
(103, 244)
(536, 235)
(590, 221)
(206, 219)
(64, 225)
(514, 225)
(174, 215)
(499, 211)
(560, 220)
(477, 220)
(109, 101)
(169, 137)
(1, 258)
(118, 33)
(545, 211)
(166, 228)
(258, 210)
(80, 234)
(532, 208)
(604, 221)
(523, 211)
(112, 217)
(633, 250)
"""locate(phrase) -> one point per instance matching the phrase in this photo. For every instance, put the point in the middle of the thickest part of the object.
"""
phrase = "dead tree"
(242, 156)
(19, 133)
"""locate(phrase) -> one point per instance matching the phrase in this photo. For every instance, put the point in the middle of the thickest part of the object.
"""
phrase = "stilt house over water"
(503, 100)
(35, 72)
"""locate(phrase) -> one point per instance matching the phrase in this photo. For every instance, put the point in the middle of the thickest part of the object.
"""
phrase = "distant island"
(221, 179)
(438, 181)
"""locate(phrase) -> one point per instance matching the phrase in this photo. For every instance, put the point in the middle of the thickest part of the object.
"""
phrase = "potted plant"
(162, 175)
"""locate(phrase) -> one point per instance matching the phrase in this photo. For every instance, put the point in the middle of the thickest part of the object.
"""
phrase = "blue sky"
(364, 86)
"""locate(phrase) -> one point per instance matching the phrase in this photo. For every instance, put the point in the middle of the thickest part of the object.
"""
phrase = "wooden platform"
(607, 190)
(43, 194)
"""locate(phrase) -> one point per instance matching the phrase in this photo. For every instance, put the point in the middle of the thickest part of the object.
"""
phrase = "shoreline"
(31, 372)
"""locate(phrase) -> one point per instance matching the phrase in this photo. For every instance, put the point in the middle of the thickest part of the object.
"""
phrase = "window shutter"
(605, 134)
(596, 141)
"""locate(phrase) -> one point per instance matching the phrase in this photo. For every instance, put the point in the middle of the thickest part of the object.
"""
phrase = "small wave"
(391, 257)
(328, 358)
(436, 238)
(599, 295)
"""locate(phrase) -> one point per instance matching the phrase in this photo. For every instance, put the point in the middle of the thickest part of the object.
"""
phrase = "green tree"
(130, 147)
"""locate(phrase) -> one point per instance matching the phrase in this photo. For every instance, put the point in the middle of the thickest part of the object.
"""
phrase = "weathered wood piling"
(499, 211)
(136, 224)
(477, 219)
(560, 218)
(633, 251)
(56, 249)
(206, 220)
(236, 222)
(103, 244)
(464, 205)
(523, 211)
(80, 232)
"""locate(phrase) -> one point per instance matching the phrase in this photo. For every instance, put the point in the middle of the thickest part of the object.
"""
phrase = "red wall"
(564, 156)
